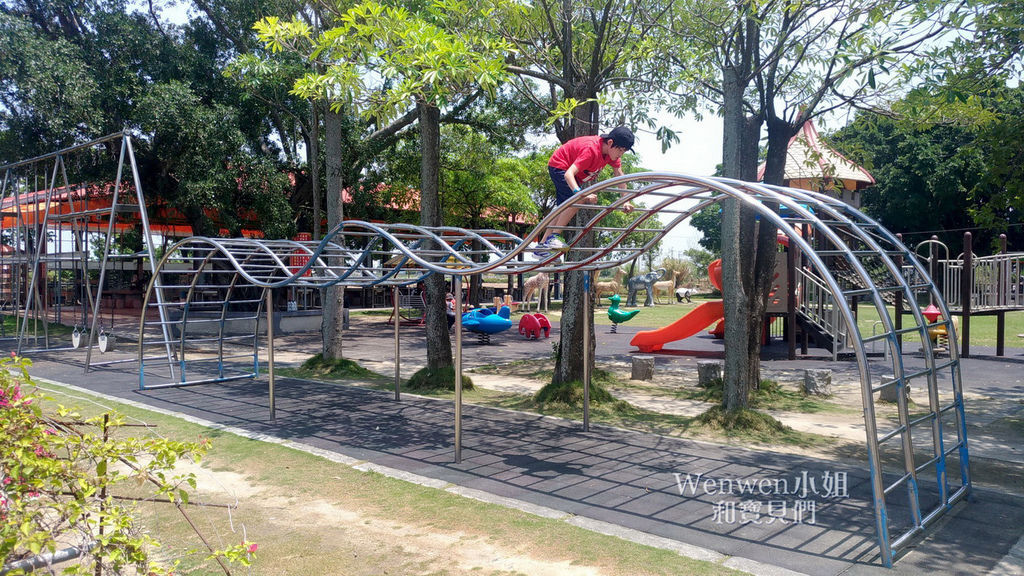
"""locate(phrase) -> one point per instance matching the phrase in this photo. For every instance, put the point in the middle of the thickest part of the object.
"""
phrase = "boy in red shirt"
(578, 161)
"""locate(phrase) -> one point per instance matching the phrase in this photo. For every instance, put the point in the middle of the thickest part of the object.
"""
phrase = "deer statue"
(613, 286)
(539, 284)
(664, 287)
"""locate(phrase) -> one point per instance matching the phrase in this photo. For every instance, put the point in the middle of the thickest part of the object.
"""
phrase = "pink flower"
(49, 431)
(252, 548)
(7, 480)
(14, 354)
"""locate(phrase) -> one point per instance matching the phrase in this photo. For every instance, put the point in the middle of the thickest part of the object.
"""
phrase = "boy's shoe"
(552, 244)
(556, 243)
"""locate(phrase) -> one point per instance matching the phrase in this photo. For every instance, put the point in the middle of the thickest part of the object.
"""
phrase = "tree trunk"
(569, 359)
(314, 164)
(734, 294)
(439, 346)
(763, 262)
(747, 258)
(333, 297)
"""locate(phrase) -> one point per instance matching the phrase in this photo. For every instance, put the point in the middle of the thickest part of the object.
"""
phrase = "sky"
(698, 152)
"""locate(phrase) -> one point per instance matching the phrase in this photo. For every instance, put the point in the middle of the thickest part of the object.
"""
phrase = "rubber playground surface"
(757, 511)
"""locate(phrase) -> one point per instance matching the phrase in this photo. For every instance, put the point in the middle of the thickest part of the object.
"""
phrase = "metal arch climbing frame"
(854, 257)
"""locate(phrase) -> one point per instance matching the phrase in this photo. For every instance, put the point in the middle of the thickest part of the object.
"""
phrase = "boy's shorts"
(562, 190)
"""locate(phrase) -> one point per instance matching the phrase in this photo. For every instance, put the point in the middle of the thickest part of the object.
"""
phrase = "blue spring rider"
(484, 322)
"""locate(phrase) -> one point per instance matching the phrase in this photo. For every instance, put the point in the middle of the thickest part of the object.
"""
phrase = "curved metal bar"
(408, 253)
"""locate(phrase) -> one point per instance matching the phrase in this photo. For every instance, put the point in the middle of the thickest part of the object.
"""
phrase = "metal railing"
(996, 281)
(818, 306)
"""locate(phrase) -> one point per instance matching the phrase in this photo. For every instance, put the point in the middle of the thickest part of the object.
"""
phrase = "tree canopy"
(946, 177)
(203, 139)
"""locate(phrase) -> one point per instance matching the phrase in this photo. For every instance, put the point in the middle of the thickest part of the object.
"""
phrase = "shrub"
(59, 481)
(426, 379)
(571, 393)
(338, 368)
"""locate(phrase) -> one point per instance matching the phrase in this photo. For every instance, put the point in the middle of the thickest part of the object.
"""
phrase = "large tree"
(160, 79)
(392, 65)
(777, 64)
(586, 63)
(959, 171)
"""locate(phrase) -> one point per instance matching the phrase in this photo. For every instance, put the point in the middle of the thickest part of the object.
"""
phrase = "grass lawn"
(309, 515)
(34, 327)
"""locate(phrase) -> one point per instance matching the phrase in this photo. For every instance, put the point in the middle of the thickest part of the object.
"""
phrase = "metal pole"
(1002, 275)
(151, 254)
(270, 351)
(458, 369)
(398, 352)
(898, 307)
(100, 285)
(966, 292)
(586, 351)
(791, 282)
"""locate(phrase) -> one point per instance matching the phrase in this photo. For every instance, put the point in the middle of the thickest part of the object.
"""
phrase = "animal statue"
(643, 282)
(684, 293)
(532, 325)
(613, 286)
(663, 287)
(506, 301)
(616, 315)
(539, 284)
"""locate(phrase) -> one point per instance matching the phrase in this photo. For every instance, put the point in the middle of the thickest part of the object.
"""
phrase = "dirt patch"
(306, 533)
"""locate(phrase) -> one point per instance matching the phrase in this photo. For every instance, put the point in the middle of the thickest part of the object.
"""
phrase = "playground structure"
(994, 286)
(694, 321)
(533, 325)
(484, 322)
(208, 301)
(60, 214)
(911, 463)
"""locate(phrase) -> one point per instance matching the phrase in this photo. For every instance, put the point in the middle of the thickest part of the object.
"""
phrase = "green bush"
(339, 368)
(61, 475)
(749, 421)
(429, 380)
(571, 393)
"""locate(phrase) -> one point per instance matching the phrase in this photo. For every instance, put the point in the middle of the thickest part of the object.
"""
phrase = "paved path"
(609, 477)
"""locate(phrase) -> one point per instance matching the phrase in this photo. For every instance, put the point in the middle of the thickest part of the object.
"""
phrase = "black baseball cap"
(622, 136)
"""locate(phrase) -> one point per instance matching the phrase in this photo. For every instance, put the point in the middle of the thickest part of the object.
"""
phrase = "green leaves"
(59, 477)
(945, 163)
(382, 59)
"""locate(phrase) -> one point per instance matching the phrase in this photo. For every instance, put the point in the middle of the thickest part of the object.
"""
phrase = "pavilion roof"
(807, 157)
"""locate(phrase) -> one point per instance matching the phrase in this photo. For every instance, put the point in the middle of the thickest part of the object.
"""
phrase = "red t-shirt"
(585, 153)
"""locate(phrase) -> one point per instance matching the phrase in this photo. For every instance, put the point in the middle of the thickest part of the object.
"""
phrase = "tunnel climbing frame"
(215, 290)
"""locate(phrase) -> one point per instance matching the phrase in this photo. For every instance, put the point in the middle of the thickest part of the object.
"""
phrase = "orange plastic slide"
(698, 319)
